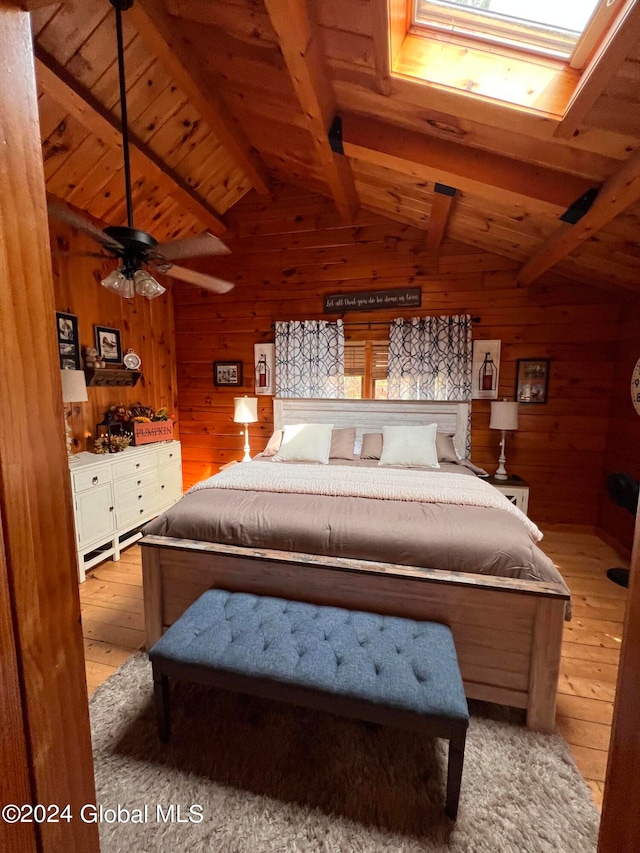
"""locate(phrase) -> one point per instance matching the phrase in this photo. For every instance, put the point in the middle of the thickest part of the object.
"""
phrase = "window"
(565, 29)
(365, 369)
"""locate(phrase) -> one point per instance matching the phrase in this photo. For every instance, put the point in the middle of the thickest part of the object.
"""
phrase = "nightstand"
(228, 464)
(514, 489)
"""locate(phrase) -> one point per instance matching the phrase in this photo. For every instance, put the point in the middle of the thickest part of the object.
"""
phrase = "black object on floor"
(623, 491)
(619, 576)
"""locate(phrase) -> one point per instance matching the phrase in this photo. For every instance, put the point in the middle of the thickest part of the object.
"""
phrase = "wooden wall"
(623, 446)
(145, 326)
(289, 251)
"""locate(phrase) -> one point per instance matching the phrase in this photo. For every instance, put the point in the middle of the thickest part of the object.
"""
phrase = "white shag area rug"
(246, 775)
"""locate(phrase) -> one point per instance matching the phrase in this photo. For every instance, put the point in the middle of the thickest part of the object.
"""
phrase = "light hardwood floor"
(112, 619)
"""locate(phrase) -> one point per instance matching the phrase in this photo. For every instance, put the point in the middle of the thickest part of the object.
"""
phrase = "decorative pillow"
(342, 443)
(446, 448)
(305, 443)
(273, 445)
(409, 446)
(371, 445)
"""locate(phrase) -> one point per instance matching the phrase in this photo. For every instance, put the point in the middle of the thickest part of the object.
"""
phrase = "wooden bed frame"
(508, 632)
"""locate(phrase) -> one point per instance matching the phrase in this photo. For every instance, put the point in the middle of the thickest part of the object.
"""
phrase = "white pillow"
(305, 443)
(409, 446)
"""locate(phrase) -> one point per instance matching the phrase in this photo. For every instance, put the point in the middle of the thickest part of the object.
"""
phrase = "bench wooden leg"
(161, 695)
(454, 774)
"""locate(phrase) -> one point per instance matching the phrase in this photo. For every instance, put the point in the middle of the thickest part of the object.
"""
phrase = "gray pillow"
(342, 442)
(371, 445)
(445, 448)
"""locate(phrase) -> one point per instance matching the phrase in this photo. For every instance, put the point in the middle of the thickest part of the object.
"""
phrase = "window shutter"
(354, 356)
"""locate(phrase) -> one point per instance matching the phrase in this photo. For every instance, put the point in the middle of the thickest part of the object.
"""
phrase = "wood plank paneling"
(288, 253)
(623, 446)
(38, 565)
(146, 327)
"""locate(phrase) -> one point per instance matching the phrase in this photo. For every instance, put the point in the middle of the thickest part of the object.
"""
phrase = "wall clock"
(635, 387)
(132, 360)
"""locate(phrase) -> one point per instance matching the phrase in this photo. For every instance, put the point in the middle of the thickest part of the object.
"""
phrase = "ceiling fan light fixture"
(118, 283)
(146, 285)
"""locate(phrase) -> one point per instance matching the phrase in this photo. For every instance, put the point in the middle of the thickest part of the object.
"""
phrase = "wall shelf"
(111, 377)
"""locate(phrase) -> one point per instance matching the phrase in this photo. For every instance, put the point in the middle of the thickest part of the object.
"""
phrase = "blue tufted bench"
(382, 669)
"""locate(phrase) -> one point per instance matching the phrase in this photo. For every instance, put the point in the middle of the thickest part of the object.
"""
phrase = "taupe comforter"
(433, 535)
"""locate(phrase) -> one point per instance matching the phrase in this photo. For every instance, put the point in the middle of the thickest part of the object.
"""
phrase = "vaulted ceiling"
(232, 95)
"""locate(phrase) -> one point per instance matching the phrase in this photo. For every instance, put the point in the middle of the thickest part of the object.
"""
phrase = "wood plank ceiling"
(229, 95)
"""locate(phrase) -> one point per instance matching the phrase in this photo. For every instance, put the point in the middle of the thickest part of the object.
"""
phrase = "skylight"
(550, 27)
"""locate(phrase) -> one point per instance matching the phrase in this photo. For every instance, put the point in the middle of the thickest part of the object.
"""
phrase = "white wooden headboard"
(372, 415)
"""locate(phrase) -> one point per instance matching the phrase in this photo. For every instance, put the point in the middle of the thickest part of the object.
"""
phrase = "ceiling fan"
(133, 247)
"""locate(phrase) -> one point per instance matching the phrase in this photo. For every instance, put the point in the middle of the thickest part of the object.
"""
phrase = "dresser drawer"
(138, 505)
(170, 480)
(134, 483)
(91, 477)
(168, 455)
(127, 467)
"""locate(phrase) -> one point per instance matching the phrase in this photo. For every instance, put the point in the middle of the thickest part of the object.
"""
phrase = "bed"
(508, 629)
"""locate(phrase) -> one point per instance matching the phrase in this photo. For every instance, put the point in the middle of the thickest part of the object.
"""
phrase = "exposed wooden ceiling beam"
(30, 5)
(299, 39)
(493, 176)
(81, 104)
(618, 192)
(162, 36)
(611, 53)
(379, 12)
(440, 212)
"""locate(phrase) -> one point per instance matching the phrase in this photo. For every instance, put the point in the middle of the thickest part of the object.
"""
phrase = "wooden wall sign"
(146, 433)
(406, 297)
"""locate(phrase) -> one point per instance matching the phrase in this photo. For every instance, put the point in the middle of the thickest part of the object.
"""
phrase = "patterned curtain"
(430, 359)
(310, 358)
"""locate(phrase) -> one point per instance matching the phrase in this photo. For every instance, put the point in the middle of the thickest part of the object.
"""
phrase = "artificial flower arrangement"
(119, 417)
(111, 443)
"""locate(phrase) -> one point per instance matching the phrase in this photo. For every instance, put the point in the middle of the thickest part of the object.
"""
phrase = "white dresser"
(116, 493)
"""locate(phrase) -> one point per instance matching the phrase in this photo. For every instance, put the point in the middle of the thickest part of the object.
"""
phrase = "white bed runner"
(390, 484)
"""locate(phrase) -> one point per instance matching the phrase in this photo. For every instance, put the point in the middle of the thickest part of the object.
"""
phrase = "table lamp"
(504, 416)
(74, 390)
(245, 411)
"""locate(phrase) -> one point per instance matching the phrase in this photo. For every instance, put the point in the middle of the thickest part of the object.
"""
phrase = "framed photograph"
(227, 373)
(485, 371)
(108, 344)
(68, 344)
(264, 356)
(532, 380)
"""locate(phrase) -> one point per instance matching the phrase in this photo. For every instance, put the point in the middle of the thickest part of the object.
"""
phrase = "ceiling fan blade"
(193, 247)
(200, 279)
(65, 213)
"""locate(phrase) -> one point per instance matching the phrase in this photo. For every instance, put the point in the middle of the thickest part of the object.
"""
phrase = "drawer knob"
(141, 510)
(94, 480)
(110, 509)
(139, 497)
(162, 486)
(171, 456)
(137, 464)
(138, 483)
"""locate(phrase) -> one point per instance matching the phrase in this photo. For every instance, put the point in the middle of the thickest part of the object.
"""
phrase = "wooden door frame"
(620, 824)
(39, 597)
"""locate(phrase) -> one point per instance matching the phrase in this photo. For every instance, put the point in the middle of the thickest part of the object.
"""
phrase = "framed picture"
(108, 344)
(227, 373)
(532, 380)
(68, 345)
(264, 356)
(485, 371)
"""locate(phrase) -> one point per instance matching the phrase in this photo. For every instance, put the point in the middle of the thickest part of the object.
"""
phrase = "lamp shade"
(504, 415)
(245, 410)
(74, 386)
